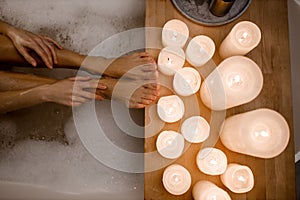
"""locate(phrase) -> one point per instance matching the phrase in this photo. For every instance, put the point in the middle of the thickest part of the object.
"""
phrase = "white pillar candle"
(243, 37)
(206, 190)
(170, 60)
(170, 108)
(186, 81)
(237, 80)
(170, 144)
(195, 129)
(200, 50)
(262, 133)
(175, 33)
(176, 179)
(238, 178)
(211, 161)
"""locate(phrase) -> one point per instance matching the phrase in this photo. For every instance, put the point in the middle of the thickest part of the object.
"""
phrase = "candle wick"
(170, 60)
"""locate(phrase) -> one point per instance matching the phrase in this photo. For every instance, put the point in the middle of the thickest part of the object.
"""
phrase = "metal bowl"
(198, 11)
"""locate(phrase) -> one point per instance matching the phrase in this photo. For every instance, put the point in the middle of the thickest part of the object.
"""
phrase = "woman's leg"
(139, 66)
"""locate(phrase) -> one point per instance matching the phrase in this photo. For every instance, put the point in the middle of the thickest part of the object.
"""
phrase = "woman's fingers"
(46, 53)
(52, 41)
(53, 53)
(43, 55)
(26, 55)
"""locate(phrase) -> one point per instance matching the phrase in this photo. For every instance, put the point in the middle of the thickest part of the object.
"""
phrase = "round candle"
(170, 60)
(175, 33)
(195, 129)
(243, 37)
(186, 81)
(211, 161)
(238, 178)
(200, 50)
(170, 108)
(170, 144)
(176, 179)
(261, 133)
(241, 82)
(206, 190)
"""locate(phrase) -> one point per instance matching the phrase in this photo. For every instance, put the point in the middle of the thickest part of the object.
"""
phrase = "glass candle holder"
(170, 108)
(200, 50)
(236, 81)
(170, 144)
(206, 190)
(262, 133)
(175, 33)
(176, 179)
(243, 37)
(211, 161)
(170, 60)
(238, 178)
(195, 129)
(186, 81)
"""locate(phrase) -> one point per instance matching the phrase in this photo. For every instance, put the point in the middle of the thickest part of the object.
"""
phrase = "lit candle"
(170, 60)
(206, 190)
(211, 161)
(170, 144)
(176, 179)
(195, 129)
(238, 178)
(175, 33)
(170, 108)
(186, 81)
(237, 80)
(261, 133)
(243, 37)
(200, 50)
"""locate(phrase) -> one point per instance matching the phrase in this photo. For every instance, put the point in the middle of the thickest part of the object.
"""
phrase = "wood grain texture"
(274, 178)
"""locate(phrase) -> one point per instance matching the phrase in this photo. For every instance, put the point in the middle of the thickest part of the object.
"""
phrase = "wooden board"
(274, 178)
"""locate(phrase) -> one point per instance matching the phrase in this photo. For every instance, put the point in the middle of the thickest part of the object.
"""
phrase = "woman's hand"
(73, 91)
(25, 41)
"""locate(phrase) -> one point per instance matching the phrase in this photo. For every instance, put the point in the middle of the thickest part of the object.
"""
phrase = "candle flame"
(213, 162)
(241, 178)
(263, 134)
(235, 80)
(245, 36)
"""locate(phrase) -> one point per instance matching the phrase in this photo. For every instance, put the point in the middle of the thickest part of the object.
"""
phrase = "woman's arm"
(69, 92)
(25, 41)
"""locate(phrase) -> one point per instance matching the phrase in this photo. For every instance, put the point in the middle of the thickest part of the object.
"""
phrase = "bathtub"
(294, 33)
(51, 169)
